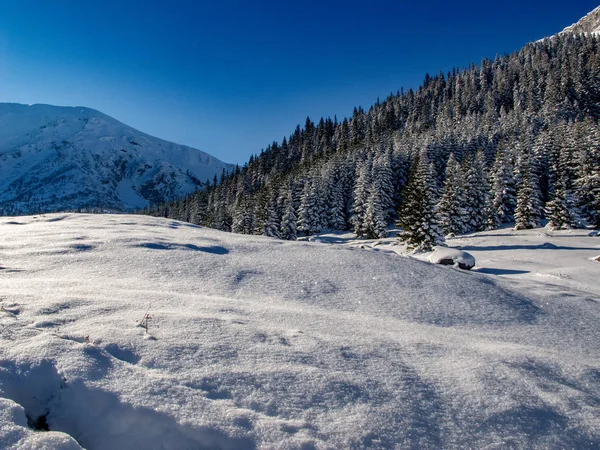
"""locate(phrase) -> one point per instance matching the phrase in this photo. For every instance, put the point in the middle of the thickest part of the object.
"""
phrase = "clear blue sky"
(229, 77)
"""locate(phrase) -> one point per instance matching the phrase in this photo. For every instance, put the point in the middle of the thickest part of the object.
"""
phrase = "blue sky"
(229, 77)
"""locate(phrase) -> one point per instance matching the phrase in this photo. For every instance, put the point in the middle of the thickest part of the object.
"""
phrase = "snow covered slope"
(561, 258)
(590, 23)
(55, 158)
(261, 343)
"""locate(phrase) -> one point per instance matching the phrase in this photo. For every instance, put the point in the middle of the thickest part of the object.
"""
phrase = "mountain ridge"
(63, 157)
(590, 23)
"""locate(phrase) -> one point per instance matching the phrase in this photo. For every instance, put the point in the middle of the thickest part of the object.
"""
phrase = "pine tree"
(375, 223)
(417, 215)
(288, 221)
(244, 219)
(588, 180)
(477, 188)
(271, 225)
(336, 205)
(383, 181)
(558, 212)
(360, 199)
(309, 213)
(451, 208)
(528, 212)
(504, 199)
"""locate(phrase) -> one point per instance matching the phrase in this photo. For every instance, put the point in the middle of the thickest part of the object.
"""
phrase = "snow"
(563, 257)
(57, 158)
(261, 343)
(128, 195)
(587, 24)
(590, 23)
(459, 257)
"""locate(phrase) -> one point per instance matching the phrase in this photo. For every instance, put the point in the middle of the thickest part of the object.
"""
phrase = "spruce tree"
(417, 215)
(503, 192)
(477, 188)
(288, 221)
(271, 224)
(309, 213)
(375, 222)
(451, 208)
(529, 209)
(335, 207)
(360, 199)
(383, 181)
(557, 210)
(588, 180)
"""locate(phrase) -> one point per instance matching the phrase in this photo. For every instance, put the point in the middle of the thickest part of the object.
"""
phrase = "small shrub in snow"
(145, 321)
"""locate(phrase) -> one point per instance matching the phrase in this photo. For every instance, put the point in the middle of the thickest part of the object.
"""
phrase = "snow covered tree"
(529, 208)
(271, 224)
(558, 211)
(477, 188)
(309, 213)
(417, 215)
(504, 198)
(375, 222)
(451, 208)
(288, 221)
(244, 219)
(335, 205)
(360, 199)
(588, 180)
(383, 181)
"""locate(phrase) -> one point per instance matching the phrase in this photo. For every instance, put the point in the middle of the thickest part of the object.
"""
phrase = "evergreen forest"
(511, 140)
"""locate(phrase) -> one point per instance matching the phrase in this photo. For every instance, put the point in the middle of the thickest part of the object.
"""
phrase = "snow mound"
(260, 343)
(452, 257)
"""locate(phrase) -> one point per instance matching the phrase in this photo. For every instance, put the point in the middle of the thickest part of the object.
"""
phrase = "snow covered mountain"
(257, 343)
(55, 158)
(590, 23)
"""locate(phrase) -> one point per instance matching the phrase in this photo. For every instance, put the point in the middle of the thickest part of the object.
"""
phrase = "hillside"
(261, 343)
(513, 140)
(61, 158)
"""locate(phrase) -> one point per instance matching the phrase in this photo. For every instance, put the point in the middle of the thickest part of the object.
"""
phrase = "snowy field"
(261, 343)
(553, 257)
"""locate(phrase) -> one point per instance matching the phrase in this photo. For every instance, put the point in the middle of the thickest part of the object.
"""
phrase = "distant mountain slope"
(56, 158)
(590, 23)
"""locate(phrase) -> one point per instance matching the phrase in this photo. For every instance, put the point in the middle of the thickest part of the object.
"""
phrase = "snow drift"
(452, 257)
(261, 343)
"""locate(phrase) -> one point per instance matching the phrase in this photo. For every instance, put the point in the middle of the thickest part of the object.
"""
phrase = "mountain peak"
(61, 158)
(590, 23)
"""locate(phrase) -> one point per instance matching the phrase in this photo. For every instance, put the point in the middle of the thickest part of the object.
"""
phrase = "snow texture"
(261, 343)
(56, 158)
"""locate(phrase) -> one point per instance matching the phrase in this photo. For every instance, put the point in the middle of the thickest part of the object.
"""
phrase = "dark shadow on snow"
(491, 271)
(214, 249)
(95, 417)
(546, 246)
